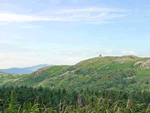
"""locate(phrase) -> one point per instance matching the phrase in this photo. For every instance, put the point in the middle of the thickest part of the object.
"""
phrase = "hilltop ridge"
(110, 71)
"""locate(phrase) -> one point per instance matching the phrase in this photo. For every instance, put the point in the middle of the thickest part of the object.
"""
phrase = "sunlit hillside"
(117, 73)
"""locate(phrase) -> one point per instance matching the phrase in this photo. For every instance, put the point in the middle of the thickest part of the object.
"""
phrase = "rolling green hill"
(115, 73)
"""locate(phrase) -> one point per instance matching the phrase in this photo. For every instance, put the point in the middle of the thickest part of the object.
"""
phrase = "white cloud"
(2, 24)
(74, 60)
(26, 62)
(57, 53)
(7, 39)
(2, 56)
(148, 49)
(95, 52)
(109, 51)
(91, 14)
(54, 2)
(124, 52)
(130, 52)
(21, 63)
(69, 53)
(29, 26)
(25, 59)
(17, 54)
(88, 10)
(74, 1)
(102, 22)
(5, 17)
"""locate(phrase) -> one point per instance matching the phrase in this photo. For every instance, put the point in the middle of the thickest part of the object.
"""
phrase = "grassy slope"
(34, 79)
(6, 78)
(88, 73)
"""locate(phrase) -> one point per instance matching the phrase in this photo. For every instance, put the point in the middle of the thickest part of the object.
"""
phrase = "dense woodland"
(25, 97)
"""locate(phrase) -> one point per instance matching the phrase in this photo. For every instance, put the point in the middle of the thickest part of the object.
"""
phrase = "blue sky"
(64, 32)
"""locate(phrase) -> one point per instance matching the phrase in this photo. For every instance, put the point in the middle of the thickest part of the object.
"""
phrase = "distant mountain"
(17, 71)
(34, 68)
(26, 70)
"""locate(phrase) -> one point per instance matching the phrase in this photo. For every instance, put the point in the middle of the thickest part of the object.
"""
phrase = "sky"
(65, 32)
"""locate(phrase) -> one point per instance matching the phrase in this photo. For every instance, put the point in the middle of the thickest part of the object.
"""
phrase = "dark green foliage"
(147, 82)
(26, 96)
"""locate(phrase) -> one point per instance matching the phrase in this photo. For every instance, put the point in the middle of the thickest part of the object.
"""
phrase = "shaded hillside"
(116, 73)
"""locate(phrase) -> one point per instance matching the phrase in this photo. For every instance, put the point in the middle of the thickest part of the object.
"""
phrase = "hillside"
(5, 77)
(115, 73)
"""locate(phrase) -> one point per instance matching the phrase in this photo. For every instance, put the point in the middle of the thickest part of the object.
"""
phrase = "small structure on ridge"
(100, 56)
